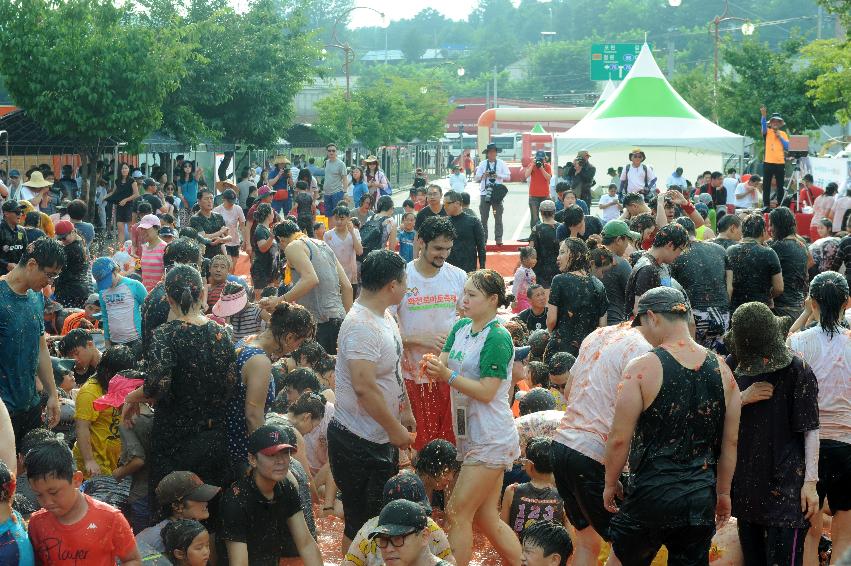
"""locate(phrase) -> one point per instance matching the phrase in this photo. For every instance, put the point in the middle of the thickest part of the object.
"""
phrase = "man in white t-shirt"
(730, 182)
(235, 221)
(372, 416)
(610, 206)
(426, 315)
(580, 443)
(747, 194)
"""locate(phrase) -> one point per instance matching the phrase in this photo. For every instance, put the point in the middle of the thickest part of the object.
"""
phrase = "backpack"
(370, 234)
(625, 180)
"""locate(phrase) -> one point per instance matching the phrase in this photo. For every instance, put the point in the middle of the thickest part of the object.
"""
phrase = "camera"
(580, 161)
(539, 163)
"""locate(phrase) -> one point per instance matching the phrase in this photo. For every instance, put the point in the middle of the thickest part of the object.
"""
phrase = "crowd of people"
(650, 375)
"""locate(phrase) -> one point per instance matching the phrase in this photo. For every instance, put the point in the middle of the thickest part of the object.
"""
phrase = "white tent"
(645, 111)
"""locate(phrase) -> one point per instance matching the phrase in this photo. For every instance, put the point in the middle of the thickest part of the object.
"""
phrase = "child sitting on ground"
(524, 504)
(560, 378)
(187, 543)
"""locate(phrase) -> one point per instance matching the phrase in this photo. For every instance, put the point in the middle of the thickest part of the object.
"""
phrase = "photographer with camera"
(492, 173)
(538, 173)
(637, 177)
(580, 174)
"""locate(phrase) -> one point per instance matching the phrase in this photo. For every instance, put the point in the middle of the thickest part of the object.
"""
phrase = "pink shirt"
(152, 264)
(596, 374)
(841, 206)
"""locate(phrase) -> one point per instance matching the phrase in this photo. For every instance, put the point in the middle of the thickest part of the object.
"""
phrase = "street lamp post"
(348, 59)
(747, 29)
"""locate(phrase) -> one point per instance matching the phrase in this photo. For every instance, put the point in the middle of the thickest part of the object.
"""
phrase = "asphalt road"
(515, 218)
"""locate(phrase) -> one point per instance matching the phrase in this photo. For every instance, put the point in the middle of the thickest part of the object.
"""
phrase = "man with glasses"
(403, 535)
(336, 179)
(22, 332)
(470, 240)
(13, 237)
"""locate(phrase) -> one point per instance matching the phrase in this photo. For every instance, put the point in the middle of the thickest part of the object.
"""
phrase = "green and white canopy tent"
(645, 111)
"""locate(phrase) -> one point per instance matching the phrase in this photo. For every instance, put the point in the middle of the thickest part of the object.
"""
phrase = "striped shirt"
(247, 322)
(152, 264)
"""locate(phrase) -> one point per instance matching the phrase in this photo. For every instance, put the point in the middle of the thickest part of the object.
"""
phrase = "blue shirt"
(282, 182)
(87, 231)
(406, 244)
(15, 547)
(358, 190)
(190, 191)
(21, 328)
(122, 309)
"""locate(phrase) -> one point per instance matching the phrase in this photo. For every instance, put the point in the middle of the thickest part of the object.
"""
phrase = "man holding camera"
(538, 173)
(491, 173)
(580, 175)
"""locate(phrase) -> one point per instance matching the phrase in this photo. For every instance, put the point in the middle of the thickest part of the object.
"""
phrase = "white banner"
(825, 170)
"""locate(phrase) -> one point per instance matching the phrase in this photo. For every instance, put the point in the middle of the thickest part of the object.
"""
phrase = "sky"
(406, 9)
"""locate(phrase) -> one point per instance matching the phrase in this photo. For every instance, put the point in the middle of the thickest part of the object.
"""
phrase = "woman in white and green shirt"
(476, 363)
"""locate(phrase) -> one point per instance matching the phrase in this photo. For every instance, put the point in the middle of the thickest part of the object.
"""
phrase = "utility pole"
(495, 99)
(670, 69)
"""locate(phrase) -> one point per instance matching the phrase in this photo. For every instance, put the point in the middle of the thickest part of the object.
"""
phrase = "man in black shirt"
(434, 208)
(774, 487)
(535, 317)
(151, 197)
(681, 457)
(651, 270)
(470, 240)
(616, 237)
(757, 275)
(209, 224)
(261, 514)
(13, 238)
(729, 231)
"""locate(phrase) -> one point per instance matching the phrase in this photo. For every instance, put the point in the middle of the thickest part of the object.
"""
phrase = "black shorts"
(762, 544)
(360, 468)
(232, 251)
(834, 472)
(636, 545)
(124, 213)
(327, 334)
(25, 421)
(580, 481)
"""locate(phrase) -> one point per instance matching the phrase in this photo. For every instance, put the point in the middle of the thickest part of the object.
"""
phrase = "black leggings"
(778, 172)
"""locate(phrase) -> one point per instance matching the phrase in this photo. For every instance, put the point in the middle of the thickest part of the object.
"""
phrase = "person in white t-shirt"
(235, 221)
(610, 206)
(730, 183)
(344, 239)
(457, 180)
(748, 194)
(637, 177)
(426, 315)
(372, 416)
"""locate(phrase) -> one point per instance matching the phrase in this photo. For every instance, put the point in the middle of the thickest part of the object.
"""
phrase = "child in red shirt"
(72, 528)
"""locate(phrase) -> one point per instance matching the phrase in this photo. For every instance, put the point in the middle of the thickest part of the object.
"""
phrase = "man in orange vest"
(774, 163)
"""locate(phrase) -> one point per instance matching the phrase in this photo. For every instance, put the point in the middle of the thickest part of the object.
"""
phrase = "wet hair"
(50, 458)
(264, 210)
(538, 452)
(532, 288)
(77, 209)
(527, 252)
(32, 219)
(539, 374)
(292, 319)
(384, 204)
(831, 189)
(560, 363)
(311, 403)
(178, 535)
(302, 379)
(144, 208)
(310, 352)
(465, 199)
(728, 221)
(830, 290)
(168, 218)
(550, 537)
(77, 338)
(632, 198)
(519, 332)
(536, 400)
(686, 223)
(580, 259)
(782, 223)
(642, 222)
(562, 186)
(753, 225)
(183, 285)
(366, 197)
(221, 257)
(538, 343)
(573, 216)
(434, 227)
(342, 210)
(490, 283)
(115, 359)
(269, 292)
(598, 255)
(381, 267)
(286, 228)
(7, 483)
(671, 234)
(408, 202)
(326, 364)
(46, 252)
(182, 250)
(429, 460)
(204, 191)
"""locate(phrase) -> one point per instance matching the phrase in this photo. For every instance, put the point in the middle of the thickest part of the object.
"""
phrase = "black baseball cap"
(149, 183)
(660, 300)
(12, 206)
(399, 518)
(269, 440)
(408, 486)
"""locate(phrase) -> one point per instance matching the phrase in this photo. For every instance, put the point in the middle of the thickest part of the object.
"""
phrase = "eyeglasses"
(396, 541)
(50, 276)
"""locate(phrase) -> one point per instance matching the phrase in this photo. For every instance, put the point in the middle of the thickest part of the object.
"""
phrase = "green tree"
(829, 88)
(86, 70)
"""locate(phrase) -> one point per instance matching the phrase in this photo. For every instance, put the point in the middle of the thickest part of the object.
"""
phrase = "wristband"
(688, 208)
(453, 376)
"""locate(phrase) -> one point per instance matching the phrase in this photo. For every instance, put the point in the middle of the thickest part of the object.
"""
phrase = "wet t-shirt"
(770, 460)
(792, 254)
(533, 321)
(615, 280)
(581, 301)
(701, 270)
(753, 267)
(724, 242)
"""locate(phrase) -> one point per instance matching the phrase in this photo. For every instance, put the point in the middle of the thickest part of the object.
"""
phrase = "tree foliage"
(831, 84)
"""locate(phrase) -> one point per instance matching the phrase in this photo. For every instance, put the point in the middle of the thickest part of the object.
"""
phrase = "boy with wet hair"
(546, 543)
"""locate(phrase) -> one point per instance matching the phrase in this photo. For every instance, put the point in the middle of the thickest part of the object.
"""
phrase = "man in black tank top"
(677, 418)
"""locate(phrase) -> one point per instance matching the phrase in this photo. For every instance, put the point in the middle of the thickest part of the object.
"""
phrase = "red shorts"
(432, 407)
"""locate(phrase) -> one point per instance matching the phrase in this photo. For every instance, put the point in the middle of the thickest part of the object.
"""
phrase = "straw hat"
(37, 181)
(280, 159)
(371, 159)
(756, 340)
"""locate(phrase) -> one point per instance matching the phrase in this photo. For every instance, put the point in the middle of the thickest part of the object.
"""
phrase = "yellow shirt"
(773, 147)
(103, 428)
